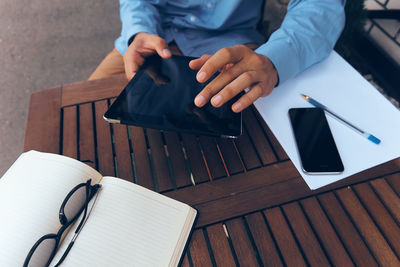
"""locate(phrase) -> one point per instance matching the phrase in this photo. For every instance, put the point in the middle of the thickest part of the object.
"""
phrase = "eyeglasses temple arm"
(78, 229)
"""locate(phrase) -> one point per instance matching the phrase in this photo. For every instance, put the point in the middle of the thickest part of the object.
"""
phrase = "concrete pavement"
(44, 44)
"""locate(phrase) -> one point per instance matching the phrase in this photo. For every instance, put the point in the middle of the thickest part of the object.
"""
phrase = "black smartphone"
(315, 143)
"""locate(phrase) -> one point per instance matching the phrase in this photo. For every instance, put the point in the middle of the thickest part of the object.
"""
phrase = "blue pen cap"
(374, 139)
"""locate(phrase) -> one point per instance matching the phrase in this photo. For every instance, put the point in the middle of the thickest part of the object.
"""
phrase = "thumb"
(161, 47)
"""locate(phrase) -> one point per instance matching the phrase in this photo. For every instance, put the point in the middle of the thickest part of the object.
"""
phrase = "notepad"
(129, 225)
(340, 87)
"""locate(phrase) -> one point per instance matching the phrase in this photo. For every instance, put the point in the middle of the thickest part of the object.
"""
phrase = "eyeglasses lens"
(75, 203)
(42, 253)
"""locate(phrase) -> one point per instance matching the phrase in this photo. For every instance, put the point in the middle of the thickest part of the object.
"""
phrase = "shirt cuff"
(137, 29)
(283, 55)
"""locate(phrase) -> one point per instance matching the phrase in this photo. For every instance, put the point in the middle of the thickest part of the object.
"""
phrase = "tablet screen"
(161, 96)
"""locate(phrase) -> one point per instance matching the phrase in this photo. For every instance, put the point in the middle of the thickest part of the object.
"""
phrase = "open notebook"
(128, 226)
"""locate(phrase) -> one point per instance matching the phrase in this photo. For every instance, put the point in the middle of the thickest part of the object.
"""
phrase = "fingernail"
(201, 76)
(199, 100)
(166, 52)
(216, 100)
(236, 107)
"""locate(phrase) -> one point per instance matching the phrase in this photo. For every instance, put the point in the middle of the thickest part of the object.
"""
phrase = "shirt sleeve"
(307, 35)
(138, 16)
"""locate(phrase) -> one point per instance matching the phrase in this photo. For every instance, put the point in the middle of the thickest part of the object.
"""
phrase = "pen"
(315, 103)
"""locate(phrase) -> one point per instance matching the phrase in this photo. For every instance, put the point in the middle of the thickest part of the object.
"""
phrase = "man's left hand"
(240, 68)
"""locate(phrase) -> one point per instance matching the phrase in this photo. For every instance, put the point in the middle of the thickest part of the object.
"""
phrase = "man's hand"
(240, 68)
(143, 45)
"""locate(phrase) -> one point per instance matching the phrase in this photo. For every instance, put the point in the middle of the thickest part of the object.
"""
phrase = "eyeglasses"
(77, 200)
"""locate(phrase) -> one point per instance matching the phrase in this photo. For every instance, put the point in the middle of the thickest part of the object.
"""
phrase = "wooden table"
(255, 209)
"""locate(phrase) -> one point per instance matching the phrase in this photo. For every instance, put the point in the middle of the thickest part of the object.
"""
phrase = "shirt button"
(209, 5)
(192, 19)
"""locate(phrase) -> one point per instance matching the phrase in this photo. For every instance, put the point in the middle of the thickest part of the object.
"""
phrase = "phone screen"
(315, 143)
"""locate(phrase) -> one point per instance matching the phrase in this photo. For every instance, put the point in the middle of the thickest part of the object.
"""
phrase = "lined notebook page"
(31, 193)
(128, 226)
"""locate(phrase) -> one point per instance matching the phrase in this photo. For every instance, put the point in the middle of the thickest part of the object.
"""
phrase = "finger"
(245, 80)
(218, 61)
(196, 64)
(218, 83)
(224, 78)
(132, 64)
(248, 98)
(199, 62)
(161, 46)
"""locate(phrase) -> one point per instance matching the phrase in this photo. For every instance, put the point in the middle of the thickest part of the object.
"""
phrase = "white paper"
(344, 91)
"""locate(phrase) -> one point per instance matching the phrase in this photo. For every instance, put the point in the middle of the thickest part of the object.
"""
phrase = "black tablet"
(161, 96)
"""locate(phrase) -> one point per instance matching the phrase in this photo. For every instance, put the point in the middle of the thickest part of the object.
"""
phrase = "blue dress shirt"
(306, 36)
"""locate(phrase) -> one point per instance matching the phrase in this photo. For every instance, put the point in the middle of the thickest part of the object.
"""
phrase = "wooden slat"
(394, 181)
(142, 163)
(376, 242)
(305, 236)
(263, 240)
(247, 151)
(213, 157)
(388, 196)
(181, 172)
(104, 144)
(326, 233)
(185, 261)
(89, 91)
(199, 250)
(230, 156)
(276, 145)
(70, 132)
(220, 245)
(241, 242)
(284, 238)
(42, 130)
(122, 152)
(349, 235)
(380, 215)
(160, 163)
(86, 152)
(257, 135)
(197, 164)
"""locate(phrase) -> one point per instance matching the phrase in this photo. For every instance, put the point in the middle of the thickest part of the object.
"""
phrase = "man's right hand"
(143, 45)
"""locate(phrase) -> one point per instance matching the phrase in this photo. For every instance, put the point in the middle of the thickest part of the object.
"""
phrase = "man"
(223, 34)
